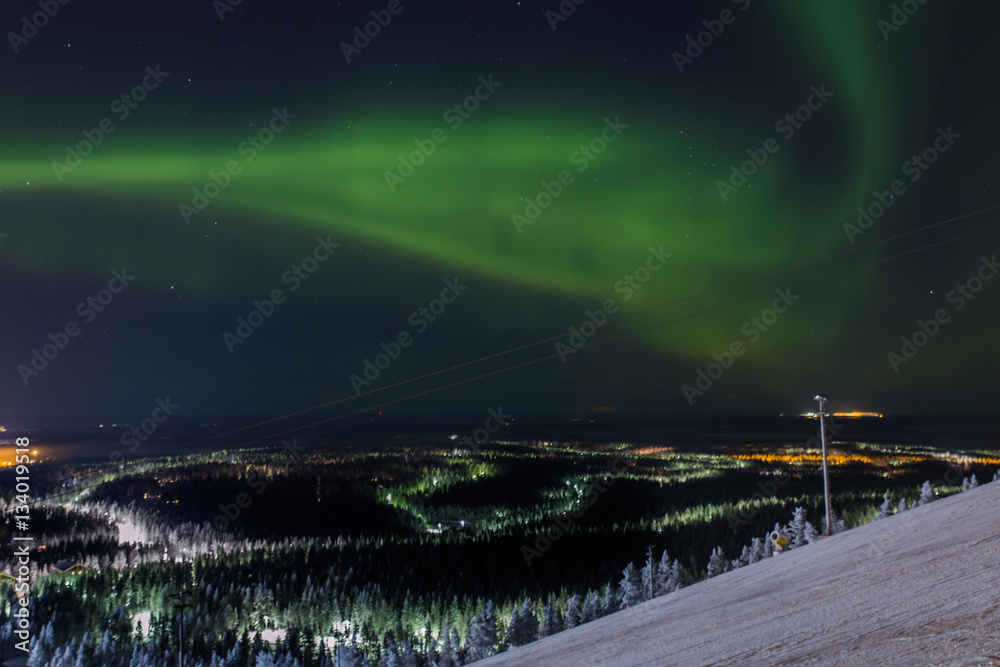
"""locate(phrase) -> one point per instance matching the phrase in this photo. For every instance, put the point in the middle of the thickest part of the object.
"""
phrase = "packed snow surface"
(919, 588)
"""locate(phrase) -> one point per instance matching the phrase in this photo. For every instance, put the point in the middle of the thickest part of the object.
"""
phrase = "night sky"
(178, 162)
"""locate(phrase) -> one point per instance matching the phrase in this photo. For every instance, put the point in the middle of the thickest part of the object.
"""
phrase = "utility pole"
(180, 604)
(649, 565)
(826, 474)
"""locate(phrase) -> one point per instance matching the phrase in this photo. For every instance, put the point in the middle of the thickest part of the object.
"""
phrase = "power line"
(626, 316)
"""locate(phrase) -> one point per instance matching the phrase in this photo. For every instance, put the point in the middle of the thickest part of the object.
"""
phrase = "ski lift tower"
(826, 475)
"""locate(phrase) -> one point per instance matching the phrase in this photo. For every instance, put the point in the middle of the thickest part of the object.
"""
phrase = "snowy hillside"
(919, 588)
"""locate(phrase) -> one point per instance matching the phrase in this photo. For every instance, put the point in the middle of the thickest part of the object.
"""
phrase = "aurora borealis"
(540, 191)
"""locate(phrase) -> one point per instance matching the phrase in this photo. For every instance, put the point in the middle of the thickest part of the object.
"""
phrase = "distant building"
(68, 566)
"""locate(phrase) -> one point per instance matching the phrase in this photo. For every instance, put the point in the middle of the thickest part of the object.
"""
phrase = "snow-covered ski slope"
(919, 588)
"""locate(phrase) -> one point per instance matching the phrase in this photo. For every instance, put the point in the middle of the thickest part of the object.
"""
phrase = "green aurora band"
(455, 210)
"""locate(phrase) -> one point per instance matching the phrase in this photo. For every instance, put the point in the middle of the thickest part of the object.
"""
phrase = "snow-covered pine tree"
(529, 623)
(744, 558)
(449, 652)
(523, 626)
(662, 575)
(676, 581)
(902, 505)
(587, 613)
(965, 484)
(83, 652)
(717, 563)
(973, 482)
(488, 630)
(514, 630)
(630, 587)
(263, 660)
(884, 510)
(797, 528)
(390, 655)
(481, 637)
(573, 612)
(42, 647)
(551, 623)
(70, 656)
(757, 550)
(104, 654)
(591, 608)
(456, 643)
(233, 659)
(926, 493)
(408, 656)
(611, 602)
(473, 642)
(996, 475)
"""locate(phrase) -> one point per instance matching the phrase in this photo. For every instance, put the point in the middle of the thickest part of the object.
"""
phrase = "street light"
(826, 475)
